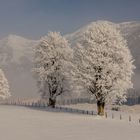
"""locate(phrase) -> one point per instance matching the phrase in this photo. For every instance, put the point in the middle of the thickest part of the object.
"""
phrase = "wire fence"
(133, 100)
(60, 106)
(43, 102)
(130, 101)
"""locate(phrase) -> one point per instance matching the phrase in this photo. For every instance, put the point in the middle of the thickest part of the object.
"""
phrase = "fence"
(133, 100)
(130, 101)
(42, 105)
(75, 101)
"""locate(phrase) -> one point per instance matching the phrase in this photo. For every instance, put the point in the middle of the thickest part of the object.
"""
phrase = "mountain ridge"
(16, 56)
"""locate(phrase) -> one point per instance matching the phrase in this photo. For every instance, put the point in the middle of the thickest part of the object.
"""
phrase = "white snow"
(16, 56)
(20, 123)
(130, 31)
(104, 64)
(4, 86)
(51, 65)
(18, 47)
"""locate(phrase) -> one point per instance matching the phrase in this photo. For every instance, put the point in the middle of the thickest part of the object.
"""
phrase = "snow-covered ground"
(134, 109)
(125, 113)
(20, 123)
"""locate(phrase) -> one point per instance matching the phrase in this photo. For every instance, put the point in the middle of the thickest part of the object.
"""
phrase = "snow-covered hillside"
(131, 31)
(16, 58)
(20, 123)
(13, 48)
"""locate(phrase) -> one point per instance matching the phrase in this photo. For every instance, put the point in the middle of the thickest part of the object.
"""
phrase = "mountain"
(16, 54)
(131, 32)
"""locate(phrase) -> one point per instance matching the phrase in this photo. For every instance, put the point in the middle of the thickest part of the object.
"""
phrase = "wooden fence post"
(129, 118)
(120, 117)
(106, 114)
(112, 116)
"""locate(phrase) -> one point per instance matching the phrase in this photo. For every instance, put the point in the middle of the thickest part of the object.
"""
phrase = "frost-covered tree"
(4, 86)
(104, 63)
(52, 57)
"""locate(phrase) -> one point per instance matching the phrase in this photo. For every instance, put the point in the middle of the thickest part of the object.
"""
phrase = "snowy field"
(20, 123)
(125, 112)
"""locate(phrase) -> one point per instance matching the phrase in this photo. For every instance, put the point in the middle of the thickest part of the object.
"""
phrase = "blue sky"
(34, 18)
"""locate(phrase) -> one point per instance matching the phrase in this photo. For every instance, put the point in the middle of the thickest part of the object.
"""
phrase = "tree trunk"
(100, 108)
(51, 102)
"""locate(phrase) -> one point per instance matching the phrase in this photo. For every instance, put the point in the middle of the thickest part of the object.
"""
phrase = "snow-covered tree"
(52, 57)
(4, 86)
(104, 63)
